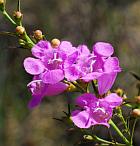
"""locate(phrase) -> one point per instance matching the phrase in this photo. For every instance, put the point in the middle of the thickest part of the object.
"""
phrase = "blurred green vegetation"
(79, 21)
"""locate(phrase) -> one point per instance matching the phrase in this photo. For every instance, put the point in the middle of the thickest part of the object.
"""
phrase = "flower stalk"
(25, 36)
(119, 132)
(7, 16)
(123, 120)
(133, 129)
(98, 139)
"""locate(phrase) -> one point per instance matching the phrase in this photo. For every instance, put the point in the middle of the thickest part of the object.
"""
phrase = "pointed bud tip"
(20, 30)
(55, 43)
(38, 34)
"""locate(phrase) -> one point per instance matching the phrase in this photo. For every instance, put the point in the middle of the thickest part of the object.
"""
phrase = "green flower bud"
(22, 42)
(88, 137)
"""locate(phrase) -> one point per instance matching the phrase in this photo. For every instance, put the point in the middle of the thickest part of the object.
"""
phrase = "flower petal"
(113, 99)
(98, 65)
(71, 59)
(44, 44)
(71, 73)
(105, 82)
(81, 119)
(55, 89)
(112, 65)
(91, 76)
(85, 99)
(102, 113)
(39, 49)
(83, 50)
(33, 66)
(103, 49)
(53, 76)
(67, 47)
(35, 101)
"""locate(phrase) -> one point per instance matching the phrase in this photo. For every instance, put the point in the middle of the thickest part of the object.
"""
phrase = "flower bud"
(38, 34)
(137, 99)
(119, 91)
(1, 2)
(71, 88)
(20, 30)
(55, 43)
(17, 14)
(88, 137)
(1, 5)
(136, 112)
(22, 42)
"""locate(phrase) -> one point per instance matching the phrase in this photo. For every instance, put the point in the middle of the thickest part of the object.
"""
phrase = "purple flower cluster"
(50, 66)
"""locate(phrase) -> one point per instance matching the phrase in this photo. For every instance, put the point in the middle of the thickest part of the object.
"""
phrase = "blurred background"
(79, 21)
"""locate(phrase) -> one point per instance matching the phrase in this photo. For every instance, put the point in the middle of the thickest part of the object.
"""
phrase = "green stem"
(26, 37)
(6, 15)
(105, 141)
(123, 120)
(28, 40)
(7, 33)
(78, 86)
(69, 110)
(102, 141)
(94, 88)
(119, 132)
(133, 128)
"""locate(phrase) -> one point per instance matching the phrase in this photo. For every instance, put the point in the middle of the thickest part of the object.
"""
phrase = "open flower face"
(49, 62)
(94, 111)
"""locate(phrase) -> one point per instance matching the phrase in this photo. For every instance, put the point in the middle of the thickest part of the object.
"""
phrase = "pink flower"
(94, 111)
(39, 90)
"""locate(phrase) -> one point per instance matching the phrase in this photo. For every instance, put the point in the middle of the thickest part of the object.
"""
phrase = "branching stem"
(119, 132)
(7, 16)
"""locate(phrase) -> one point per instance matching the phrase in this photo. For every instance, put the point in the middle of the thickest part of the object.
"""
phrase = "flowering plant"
(59, 66)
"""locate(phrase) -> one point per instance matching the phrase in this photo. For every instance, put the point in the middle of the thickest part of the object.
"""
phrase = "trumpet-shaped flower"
(39, 90)
(107, 66)
(94, 111)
